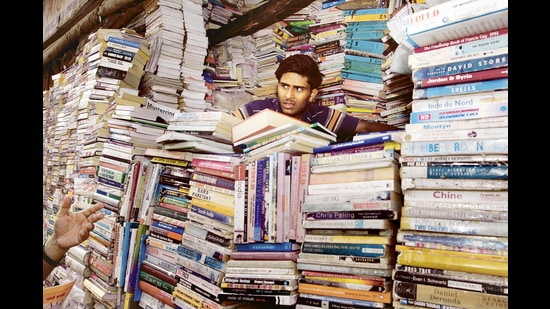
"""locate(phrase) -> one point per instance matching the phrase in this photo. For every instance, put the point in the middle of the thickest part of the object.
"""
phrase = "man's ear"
(313, 94)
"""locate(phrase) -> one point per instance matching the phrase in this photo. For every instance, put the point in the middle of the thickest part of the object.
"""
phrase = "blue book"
(201, 257)
(459, 67)
(357, 70)
(364, 26)
(366, 250)
(374, 35)
(360, 77)
(125, 249)
(362, 66)
(354, 144)
(169, 227)
(460, 89)
(268, 247)
(362, 59)
(366, 11)
(367, 46)
(261, 182)
(129, 43)
(455, 171)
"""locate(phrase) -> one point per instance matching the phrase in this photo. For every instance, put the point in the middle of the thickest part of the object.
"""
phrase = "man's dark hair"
(303, 65)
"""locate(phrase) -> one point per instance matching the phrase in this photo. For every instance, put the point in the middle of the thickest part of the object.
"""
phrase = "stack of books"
(453, 236)
(276, 132)
(205, 132)
(349, 214)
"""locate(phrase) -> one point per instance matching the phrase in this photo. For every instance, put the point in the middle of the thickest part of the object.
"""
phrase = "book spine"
(156, 292)
(461, 89)
(451, 184)
(268, 247)
(351, 249)
(383, 297)
(460, 101)
(337, 302)
(463, 171)
(461, 78)
(464, 227)
(213, 215)
(226, 211)
(352, 144)
(482, 133)
(216, 165)
(353, 187)
(352, 215)
(265, 300)
(480, 287)
(352, 157)
(456, 147)
(212, 196)
(345, 269)
(347, 224)
(198, 256)
(497, 36)
(201, 233)
(458, 56)
(460, 67)
(213, 180)
(259, 213)
(466, 299)
(477, 123)
(303, 183)
(241, 203)
(156, 281)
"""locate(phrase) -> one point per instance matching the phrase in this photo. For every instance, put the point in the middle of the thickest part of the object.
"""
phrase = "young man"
(298, 79)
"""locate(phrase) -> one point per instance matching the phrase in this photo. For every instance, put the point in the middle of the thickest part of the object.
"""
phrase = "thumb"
(65, 206)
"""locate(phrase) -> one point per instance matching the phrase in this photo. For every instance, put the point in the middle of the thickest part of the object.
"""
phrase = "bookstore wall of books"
(206, 210)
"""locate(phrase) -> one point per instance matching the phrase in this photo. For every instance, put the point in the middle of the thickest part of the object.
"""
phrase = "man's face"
(294, 94)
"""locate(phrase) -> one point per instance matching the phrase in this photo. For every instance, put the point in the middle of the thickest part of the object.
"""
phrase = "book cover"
(268, 247)
(461, 18)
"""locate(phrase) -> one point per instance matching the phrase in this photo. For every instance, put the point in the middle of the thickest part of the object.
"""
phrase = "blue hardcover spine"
(125, 249)
(200, 257)
(352, 144)
(366, 11)
(268, 247)
(367, 250)
(368, 46)
(259, 217)
(470, 65)
(362, 59)
(453, 172)
(361, 77)
(458, 147)
(460, 89)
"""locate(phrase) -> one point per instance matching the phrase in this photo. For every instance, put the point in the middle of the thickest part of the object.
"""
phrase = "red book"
(462, 78)
(159, 294)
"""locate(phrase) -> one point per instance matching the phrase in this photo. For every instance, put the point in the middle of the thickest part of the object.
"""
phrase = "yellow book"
(215, 207)
(366, 17)
(478, 263)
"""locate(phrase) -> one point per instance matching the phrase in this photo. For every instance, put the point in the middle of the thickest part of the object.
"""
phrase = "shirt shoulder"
(255, 106)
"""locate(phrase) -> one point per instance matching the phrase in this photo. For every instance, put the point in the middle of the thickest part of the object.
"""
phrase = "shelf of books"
(204, 210)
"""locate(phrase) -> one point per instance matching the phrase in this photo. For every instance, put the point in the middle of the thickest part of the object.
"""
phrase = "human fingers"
(65, 206)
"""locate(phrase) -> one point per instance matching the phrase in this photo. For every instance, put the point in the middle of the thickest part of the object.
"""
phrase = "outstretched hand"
(72, 228)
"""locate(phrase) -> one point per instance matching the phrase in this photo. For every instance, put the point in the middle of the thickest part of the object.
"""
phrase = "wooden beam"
(257, 19)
